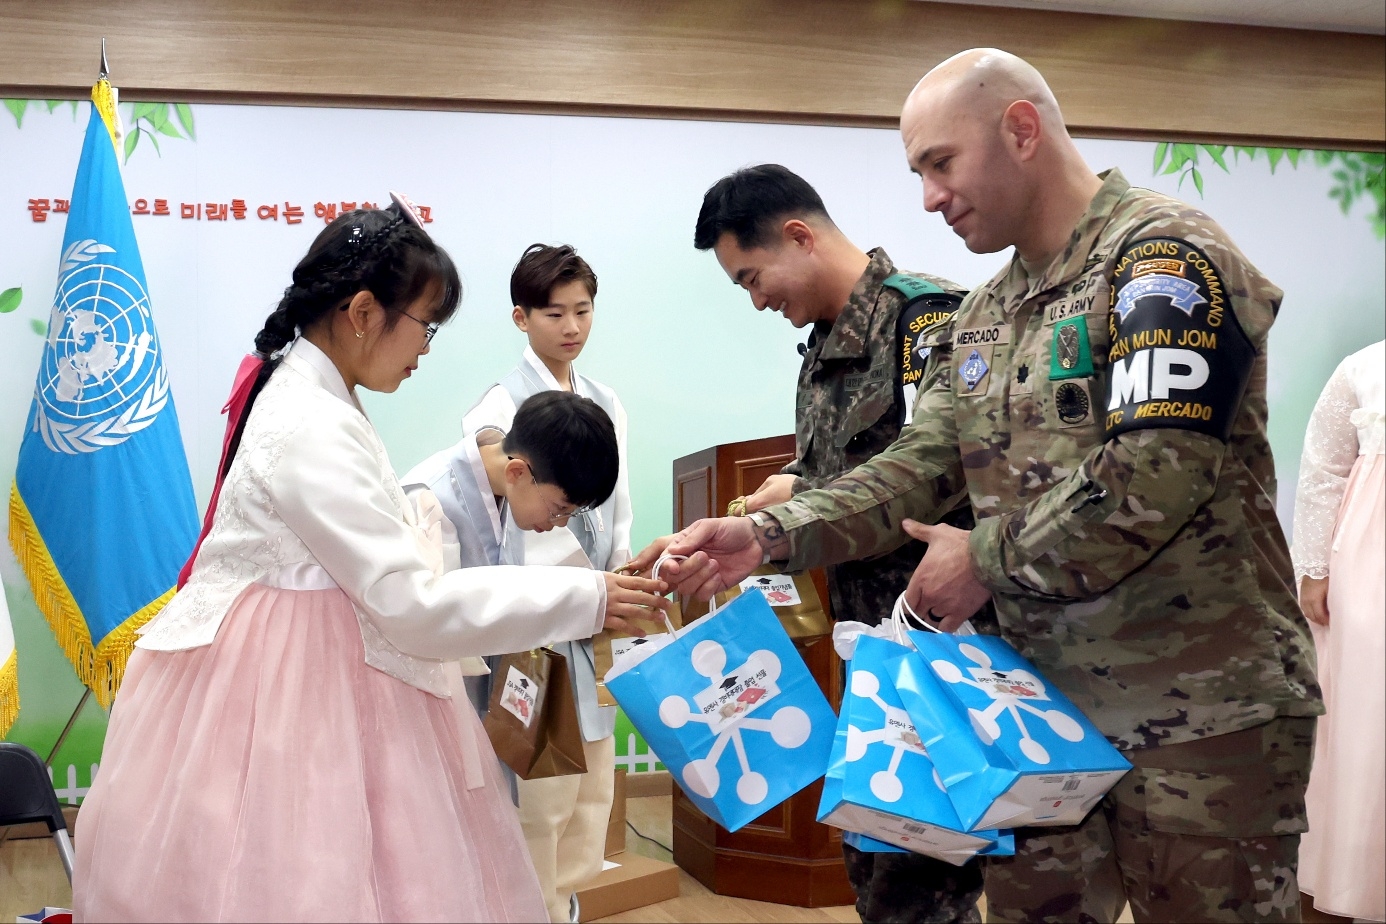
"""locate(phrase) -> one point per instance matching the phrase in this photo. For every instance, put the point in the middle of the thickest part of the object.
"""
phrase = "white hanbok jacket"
(311, 502)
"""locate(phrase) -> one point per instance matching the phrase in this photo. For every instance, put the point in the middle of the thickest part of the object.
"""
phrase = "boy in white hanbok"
(553, 291)
(558, 458)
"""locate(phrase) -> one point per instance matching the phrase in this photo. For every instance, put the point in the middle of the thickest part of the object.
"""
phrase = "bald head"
(985, 135)
(982, 83)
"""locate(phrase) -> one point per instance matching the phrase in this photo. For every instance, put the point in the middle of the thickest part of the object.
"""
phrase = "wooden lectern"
(785, 855)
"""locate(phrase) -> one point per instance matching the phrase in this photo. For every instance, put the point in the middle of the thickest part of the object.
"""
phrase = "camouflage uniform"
(855, 389)
(1108, 421)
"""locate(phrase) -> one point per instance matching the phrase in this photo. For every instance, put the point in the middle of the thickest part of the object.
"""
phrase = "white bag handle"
(903, 617)
(654, 576)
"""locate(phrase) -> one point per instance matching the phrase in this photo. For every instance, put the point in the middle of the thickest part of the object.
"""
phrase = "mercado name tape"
(1179, 358)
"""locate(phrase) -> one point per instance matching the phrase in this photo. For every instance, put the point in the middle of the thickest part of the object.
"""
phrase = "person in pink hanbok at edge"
(1340, 563)
(285, 746)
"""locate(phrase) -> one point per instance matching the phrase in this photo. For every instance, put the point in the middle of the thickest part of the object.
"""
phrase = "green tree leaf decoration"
(38, 327)
(140, 119)
(16, 108)
(185, 118)
(1357, 175)
(10, 299)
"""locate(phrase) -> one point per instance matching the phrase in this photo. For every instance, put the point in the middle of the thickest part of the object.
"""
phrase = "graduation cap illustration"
(729, 682)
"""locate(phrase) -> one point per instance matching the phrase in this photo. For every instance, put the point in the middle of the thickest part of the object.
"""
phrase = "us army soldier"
(1103, 403)
(871, 327)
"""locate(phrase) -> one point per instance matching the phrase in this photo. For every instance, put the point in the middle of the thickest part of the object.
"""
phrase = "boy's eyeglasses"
(562, 515)
(429, 329)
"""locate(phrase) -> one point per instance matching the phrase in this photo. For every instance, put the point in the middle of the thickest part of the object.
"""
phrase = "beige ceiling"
(1332, 15)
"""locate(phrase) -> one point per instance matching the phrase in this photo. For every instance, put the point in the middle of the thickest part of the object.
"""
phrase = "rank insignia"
(973, 369)
(1070, 354)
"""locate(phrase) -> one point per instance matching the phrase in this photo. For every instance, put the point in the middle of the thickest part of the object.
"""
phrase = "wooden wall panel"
(817, 61)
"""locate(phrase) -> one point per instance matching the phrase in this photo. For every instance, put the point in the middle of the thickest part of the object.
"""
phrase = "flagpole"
(86, 694)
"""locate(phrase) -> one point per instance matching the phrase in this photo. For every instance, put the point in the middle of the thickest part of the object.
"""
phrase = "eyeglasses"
(429, 329)
(554, 517)
(562, 515)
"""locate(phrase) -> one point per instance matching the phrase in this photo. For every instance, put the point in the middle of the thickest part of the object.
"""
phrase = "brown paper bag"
(793, 597)
(532, 718)
(607, 646)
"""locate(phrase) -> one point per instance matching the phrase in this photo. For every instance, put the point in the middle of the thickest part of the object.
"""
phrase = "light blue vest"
(593, 532)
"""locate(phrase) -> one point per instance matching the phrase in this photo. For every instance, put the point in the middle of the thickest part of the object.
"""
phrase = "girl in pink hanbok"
(1340, 562)
(286, 745)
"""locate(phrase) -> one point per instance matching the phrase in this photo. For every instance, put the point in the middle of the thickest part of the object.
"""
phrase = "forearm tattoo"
(771, 535)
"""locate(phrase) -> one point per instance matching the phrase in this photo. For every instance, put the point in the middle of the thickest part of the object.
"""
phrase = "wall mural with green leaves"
(1357, 175)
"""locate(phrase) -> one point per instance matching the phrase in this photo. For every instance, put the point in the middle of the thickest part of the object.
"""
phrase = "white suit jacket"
(311, 502)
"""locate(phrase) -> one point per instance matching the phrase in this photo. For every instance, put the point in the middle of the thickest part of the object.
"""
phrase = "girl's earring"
(360, 334)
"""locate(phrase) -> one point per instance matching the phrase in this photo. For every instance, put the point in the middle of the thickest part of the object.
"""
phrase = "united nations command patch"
(1179, 357)
(973, 369)
(972, 350)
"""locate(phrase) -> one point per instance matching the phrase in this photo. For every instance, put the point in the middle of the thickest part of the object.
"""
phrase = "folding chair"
(26, 795)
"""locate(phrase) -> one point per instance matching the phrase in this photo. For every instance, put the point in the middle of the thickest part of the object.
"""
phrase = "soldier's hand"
(775, 490)
(631, 600)
(1313, 599)
(943, 589)
(720, 552)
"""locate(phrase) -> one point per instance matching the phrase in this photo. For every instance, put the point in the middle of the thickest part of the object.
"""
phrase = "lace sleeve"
(1330, 448)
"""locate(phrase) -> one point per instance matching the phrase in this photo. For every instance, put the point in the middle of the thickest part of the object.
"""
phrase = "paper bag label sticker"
(518, 696)
(742, 691)
(900, 731)
(1018, 684)
(778, 589)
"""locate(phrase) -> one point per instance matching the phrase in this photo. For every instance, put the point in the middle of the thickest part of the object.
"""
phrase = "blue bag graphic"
(1011, 749)
(732, 710)
(881, 782)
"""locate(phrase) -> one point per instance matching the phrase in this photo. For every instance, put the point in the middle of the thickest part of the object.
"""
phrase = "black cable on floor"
(647, 838)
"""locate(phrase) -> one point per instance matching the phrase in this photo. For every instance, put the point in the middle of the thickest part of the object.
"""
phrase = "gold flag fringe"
(99, 667)
(9, 692)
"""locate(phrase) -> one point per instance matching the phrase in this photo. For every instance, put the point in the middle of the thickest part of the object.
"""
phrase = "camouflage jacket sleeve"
(1187, 315)
(858, 515)
(1122, 504)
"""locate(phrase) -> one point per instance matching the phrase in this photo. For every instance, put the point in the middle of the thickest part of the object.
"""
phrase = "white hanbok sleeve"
(622, 516)
(328, 487)
(495, 409)
(1330, 449)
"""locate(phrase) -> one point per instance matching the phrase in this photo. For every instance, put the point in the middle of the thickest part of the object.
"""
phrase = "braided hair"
(374, 250)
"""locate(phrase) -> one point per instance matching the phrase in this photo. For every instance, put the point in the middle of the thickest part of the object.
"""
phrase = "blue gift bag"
(880, 781)
(1011, 749)
(732, 710)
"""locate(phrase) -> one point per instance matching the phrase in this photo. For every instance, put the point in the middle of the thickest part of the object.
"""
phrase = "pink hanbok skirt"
(273, 776)
(1343, 855)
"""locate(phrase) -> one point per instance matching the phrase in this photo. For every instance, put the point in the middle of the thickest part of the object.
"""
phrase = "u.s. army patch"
(1070, 354)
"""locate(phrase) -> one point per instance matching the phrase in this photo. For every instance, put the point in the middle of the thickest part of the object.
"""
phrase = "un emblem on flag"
(101, 380)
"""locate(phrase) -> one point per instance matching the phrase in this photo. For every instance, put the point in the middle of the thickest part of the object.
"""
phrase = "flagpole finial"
(105, 68)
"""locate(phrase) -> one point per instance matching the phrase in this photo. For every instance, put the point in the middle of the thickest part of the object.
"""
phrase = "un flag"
(102, 514)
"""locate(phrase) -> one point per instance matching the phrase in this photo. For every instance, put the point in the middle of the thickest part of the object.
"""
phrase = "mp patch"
(1179, 358)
